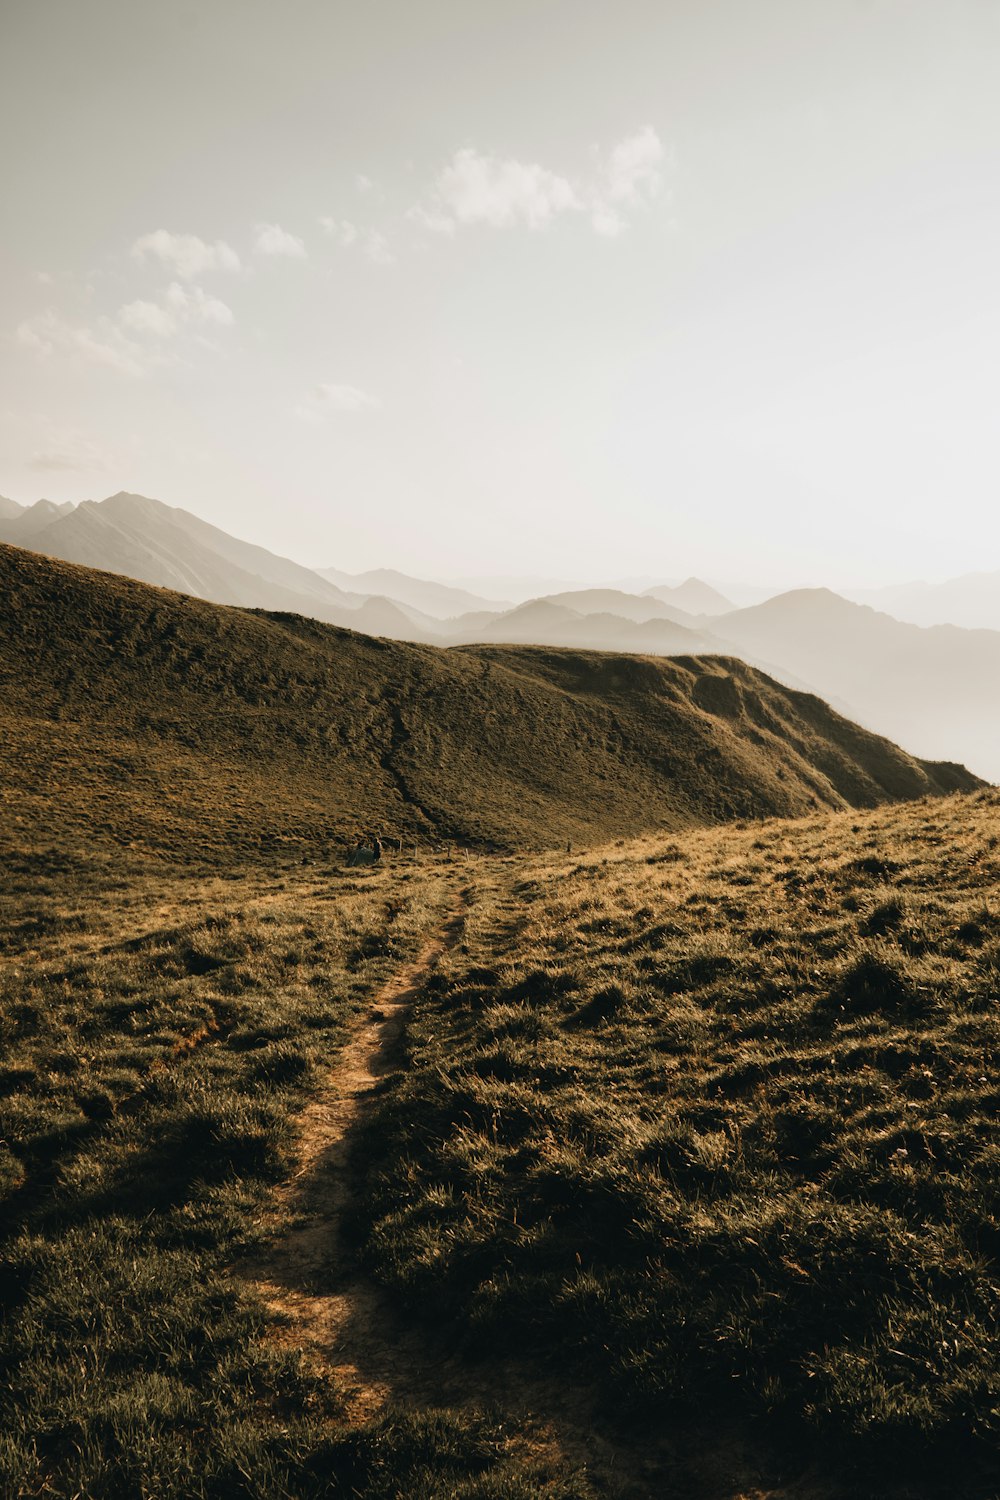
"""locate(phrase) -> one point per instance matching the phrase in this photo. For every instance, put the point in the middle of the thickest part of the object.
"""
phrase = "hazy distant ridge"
(930, 688)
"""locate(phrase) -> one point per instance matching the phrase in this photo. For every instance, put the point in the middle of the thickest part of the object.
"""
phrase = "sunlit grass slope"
(713, 1121)
(134, 716)
(157, 1037)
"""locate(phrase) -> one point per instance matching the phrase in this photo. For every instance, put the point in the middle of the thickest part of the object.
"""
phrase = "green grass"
(715, 1122)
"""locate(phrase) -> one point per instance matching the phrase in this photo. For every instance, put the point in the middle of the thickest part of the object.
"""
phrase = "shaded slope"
(147, 717)
(167, 546)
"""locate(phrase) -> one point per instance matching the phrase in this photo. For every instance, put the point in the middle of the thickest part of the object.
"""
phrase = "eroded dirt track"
(346, 1325)
(326, 1307)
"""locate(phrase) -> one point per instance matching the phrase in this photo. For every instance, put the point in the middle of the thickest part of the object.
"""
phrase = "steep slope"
(164, 545)
(933, 689)
(28, 521)
(138, 716)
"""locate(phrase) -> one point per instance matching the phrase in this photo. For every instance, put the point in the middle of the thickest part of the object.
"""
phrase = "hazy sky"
(587, 289)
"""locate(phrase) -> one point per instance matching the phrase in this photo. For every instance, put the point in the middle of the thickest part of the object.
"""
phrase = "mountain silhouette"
(931, 688)
(972, 601)
(441, 601)
(693, 596)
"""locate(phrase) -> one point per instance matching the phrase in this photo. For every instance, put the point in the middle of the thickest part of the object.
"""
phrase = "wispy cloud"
(477, 189)
(148, 318)
(329, 400)
(271, 239)
(187, 256)
(504, 193)
(631, 176)
(176, 306)
(371, 242)
(48, 334)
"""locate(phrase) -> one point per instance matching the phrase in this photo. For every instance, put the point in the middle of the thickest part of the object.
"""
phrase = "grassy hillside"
(713, 1123)
(157, 1038)
(138, 717)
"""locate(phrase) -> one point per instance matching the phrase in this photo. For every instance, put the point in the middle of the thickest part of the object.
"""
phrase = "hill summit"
(142, 717)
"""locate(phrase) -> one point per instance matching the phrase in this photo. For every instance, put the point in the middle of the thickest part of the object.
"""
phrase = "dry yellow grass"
(713, 1119)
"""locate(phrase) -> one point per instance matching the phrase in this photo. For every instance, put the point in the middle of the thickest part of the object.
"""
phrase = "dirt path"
(327, 1307)
(340, 1318)
(344, 1323)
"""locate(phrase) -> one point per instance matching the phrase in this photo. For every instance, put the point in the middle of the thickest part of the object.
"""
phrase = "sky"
(567, 288)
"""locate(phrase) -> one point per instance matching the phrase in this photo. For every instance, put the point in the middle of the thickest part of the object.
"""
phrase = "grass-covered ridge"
(137, 717)
(718, 1118)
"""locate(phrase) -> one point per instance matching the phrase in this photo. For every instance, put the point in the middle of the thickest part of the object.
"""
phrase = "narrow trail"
(338, 1317)
(327, 1307)
(346, 1325)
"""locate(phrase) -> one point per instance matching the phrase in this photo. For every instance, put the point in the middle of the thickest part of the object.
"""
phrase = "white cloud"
(197, 306)
(186, 254)
(477, 189)
(633, 170)
(629, 177)
(371, 242)
(48, 334)
(148, 317)
(271, 239)
(362, 183)
(177, 305)
(329, 399)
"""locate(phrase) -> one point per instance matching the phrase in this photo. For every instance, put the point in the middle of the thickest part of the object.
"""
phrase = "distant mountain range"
(932, 688)
(972, 601)
(440, 600)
